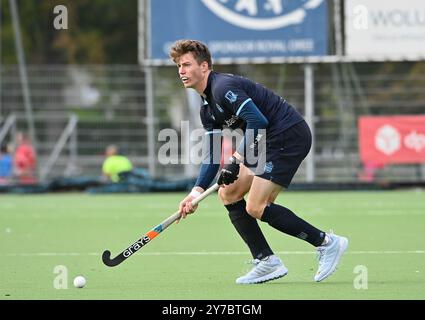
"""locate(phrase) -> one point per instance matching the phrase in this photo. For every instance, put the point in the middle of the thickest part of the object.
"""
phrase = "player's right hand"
(230, 172)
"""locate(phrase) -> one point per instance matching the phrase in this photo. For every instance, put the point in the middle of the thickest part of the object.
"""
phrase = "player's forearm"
(256, 125)
(206, 175)
(211, 163)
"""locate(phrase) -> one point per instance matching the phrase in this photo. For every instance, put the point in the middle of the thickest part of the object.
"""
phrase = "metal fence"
(110, 103)
(343, 92)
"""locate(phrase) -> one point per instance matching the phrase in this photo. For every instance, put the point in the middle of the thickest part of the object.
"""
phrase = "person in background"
(25, 160)
(6, 164)
(115, 163)
(370, 170)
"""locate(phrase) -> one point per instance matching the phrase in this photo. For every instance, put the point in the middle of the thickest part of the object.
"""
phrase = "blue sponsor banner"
(242, 28)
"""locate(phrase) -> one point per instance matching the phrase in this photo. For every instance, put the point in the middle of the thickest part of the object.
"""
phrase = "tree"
(99, 31)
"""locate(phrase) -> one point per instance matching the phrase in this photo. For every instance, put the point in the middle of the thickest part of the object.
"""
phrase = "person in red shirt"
(25, 160)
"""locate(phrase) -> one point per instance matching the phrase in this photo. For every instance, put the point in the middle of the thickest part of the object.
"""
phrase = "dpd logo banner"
(395, 139)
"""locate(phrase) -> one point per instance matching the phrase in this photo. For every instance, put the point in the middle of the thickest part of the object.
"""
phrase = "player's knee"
(229, 195)
(223, 195)
(255, 210)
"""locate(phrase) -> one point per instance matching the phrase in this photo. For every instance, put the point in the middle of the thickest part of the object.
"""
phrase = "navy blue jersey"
(233, 102)
(227, 95)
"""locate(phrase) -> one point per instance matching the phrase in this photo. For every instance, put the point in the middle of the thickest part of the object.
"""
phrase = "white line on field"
(205, 253)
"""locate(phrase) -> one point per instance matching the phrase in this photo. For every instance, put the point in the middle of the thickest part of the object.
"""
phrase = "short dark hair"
(199, 50)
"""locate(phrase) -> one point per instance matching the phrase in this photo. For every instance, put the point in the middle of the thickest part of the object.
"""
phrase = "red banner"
(393, 139)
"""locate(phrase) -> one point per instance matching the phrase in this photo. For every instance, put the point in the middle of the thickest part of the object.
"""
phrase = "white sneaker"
(329, 256)
(267, 269)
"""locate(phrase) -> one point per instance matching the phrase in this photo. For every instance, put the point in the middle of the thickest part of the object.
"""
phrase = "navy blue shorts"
(284, 154)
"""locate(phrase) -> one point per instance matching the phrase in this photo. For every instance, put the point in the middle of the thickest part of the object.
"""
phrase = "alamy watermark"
(360, 21)
(361, 280)
(199, 146)
(61, 279)
(61, 20)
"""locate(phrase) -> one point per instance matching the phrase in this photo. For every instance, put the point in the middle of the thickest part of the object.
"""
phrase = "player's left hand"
(230, 172)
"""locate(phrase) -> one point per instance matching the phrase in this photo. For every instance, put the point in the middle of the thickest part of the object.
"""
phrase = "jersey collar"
(207, 92)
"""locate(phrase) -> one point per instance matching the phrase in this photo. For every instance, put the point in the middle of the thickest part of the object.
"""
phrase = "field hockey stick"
(136, 246)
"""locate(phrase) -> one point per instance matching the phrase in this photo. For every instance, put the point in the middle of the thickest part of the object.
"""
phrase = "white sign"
(389, 28)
